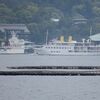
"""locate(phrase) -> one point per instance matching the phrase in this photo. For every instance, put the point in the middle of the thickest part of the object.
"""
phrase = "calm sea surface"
(49, 87)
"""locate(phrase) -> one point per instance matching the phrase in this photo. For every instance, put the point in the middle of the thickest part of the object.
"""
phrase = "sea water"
(49, 87)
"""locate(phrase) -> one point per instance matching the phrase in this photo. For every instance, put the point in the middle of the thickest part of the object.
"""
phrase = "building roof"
(77, 17)
(95, 37)
(4, 27)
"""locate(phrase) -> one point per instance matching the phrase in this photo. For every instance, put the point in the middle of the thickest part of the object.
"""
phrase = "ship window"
(58, 51)
(52, 51)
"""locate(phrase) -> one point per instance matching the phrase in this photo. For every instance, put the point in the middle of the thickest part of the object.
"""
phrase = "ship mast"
(90, 33)
(47, 37)
(90, 30)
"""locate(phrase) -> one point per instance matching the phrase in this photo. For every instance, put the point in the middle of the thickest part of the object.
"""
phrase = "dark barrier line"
(55, 67)
(48, 73)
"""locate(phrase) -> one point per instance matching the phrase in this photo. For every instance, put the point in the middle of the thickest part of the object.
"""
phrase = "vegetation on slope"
(59, 17)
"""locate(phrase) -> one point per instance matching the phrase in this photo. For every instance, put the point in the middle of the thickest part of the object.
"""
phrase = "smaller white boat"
(14, 46)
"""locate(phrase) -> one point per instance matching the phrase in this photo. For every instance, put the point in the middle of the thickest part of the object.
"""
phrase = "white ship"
(62, 48)
(15, 45)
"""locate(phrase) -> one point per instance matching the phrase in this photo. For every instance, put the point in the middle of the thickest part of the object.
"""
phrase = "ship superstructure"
(13, 43)
(60, 47)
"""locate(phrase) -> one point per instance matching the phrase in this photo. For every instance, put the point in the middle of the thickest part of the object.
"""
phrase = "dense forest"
(58, 17)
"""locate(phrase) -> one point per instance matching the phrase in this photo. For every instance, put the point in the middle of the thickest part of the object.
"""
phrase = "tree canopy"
(59, 17)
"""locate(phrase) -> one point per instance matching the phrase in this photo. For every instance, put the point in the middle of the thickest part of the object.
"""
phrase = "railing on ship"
(87, 48)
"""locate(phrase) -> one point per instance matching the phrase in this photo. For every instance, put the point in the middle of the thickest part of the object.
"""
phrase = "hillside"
(59, 17)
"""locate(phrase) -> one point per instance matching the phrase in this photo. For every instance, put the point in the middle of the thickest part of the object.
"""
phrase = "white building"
(95, 37)
(14, 27)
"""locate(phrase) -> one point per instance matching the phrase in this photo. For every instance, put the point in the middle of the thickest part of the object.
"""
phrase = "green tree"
(26, 12)
(6, 14)
(96, 11)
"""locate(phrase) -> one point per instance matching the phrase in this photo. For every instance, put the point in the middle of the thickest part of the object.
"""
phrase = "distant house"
(95, 37)
(7, 29)
(17, 28)
(79, 19)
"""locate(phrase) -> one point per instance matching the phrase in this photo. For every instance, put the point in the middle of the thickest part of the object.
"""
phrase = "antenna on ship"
(47, 37)
(90, 30)
(90, 33)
